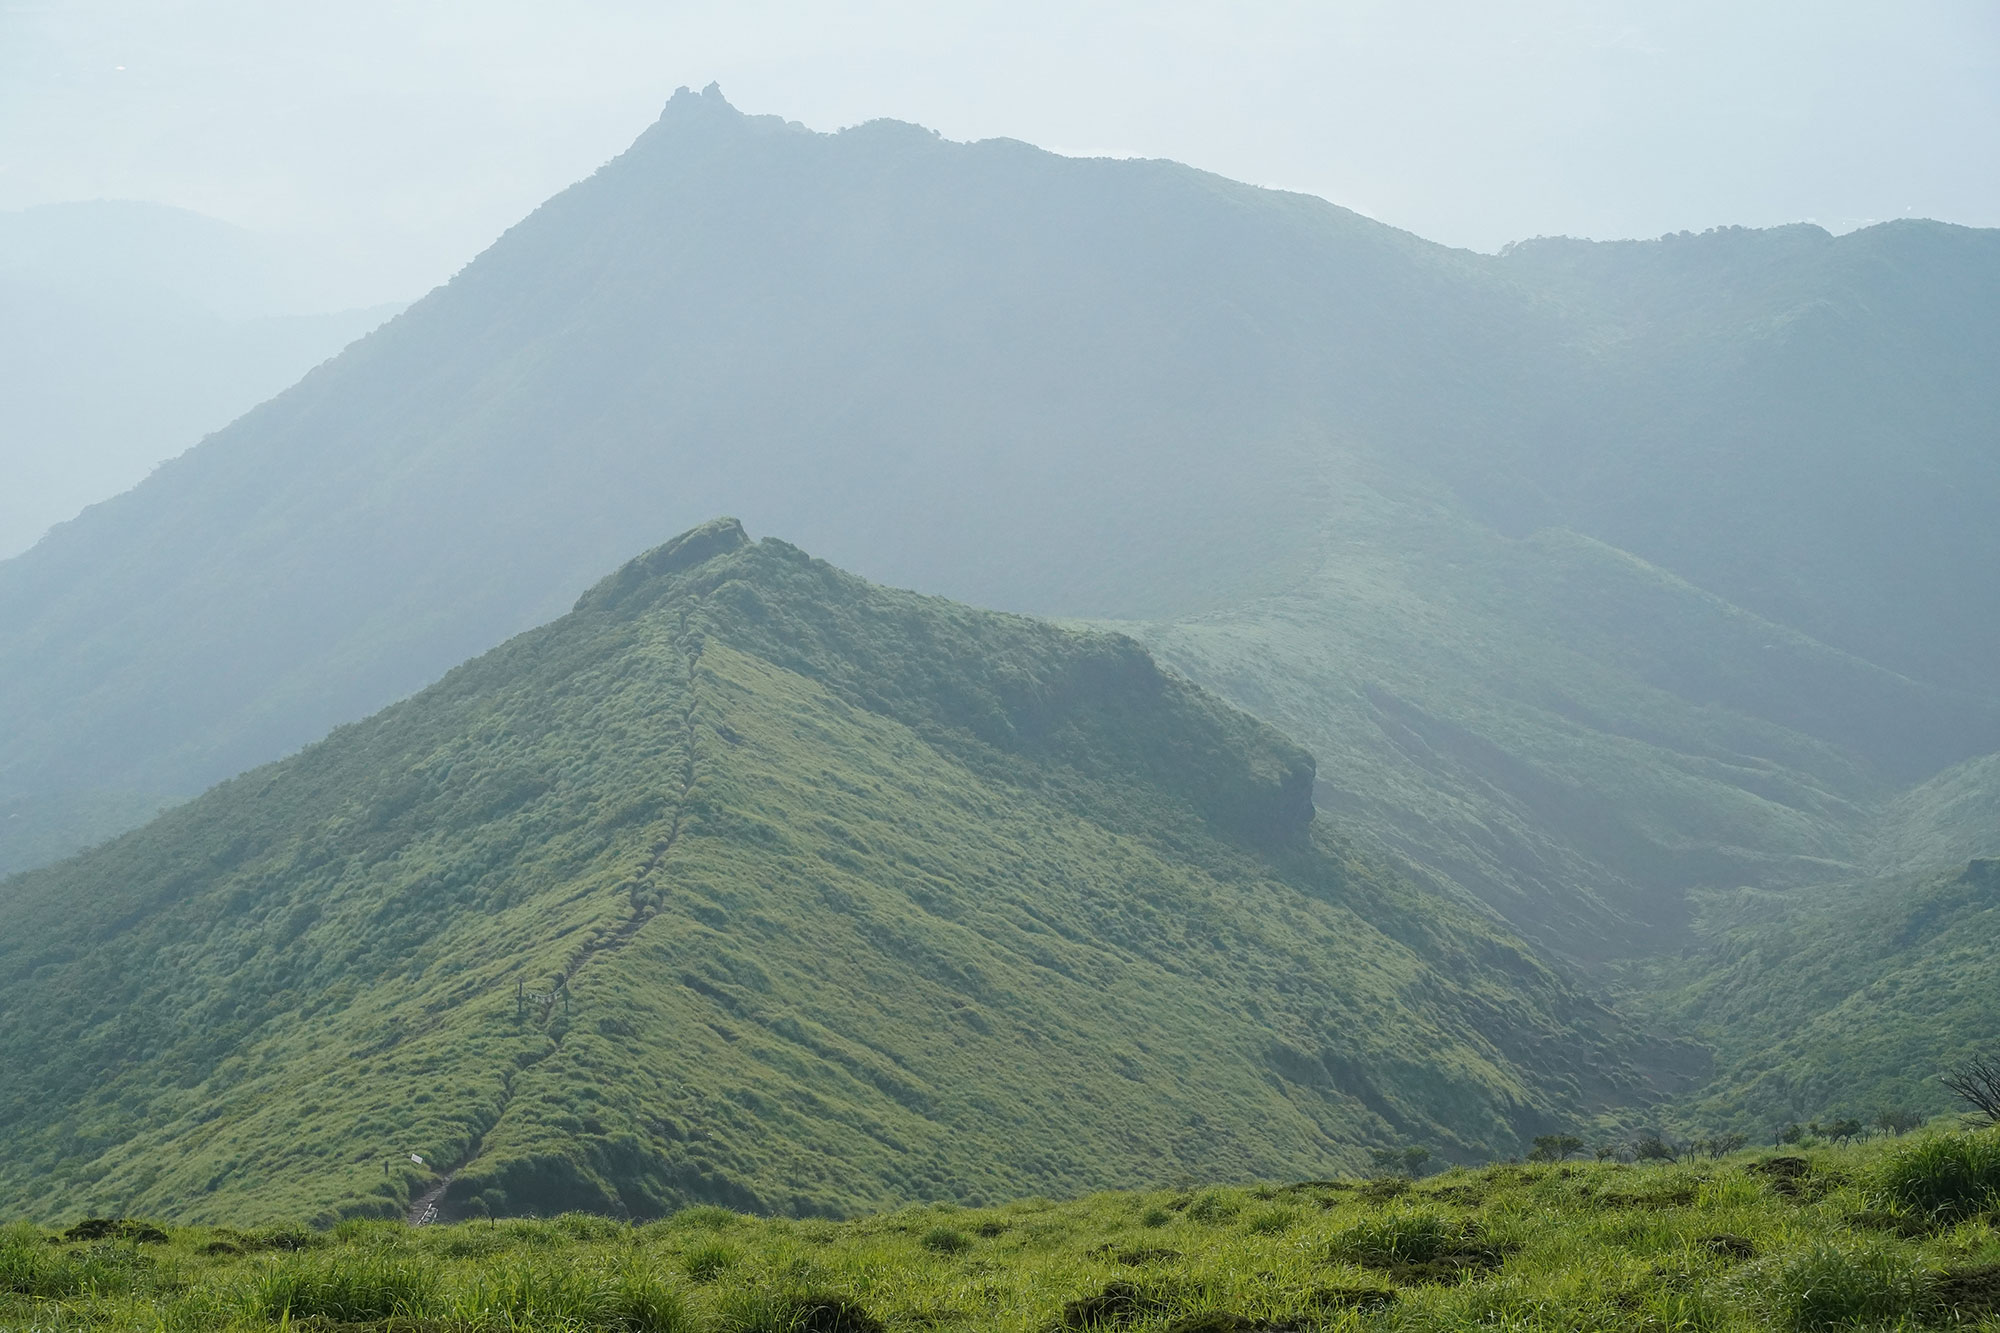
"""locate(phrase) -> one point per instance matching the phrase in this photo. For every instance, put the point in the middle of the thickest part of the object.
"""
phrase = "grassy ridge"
(749, 882)
(1805, 1242)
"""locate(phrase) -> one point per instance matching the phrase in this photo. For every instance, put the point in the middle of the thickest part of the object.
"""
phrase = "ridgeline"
(750, 883)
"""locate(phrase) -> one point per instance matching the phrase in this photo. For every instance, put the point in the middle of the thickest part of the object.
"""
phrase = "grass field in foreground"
(1896, 1233)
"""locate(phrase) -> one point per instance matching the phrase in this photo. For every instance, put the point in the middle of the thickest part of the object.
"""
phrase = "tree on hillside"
(1654, 1148)
(1400, 1161)
(1555, 1147)
(1978, 1082)
(1898, 1120)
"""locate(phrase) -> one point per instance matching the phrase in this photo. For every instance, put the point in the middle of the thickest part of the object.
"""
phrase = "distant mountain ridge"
(129, 331)
(748, 882)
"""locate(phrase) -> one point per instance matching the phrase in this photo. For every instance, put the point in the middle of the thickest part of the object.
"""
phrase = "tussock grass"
(1835, 1283)
(707, 1260)
(1719, 1247)
(31, 1268)
(347, 1288)
(1943, 1178)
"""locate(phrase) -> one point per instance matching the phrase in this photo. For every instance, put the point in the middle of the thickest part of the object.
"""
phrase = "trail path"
(427, 1207)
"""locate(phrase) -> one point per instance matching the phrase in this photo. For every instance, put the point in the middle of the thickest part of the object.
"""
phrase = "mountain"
(1599, 577)
(749, 882)
(127, 332)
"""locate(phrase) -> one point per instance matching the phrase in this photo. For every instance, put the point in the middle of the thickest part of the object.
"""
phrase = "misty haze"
(1158, 669)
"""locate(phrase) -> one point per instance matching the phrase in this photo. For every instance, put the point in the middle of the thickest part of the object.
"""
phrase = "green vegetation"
(1575, 737)
(751, 883)
(1945, 1179)
(1841, 1001)
(1799, 1244)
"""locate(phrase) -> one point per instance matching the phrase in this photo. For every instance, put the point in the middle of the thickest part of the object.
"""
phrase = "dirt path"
(424, 1208)
(427, 1207)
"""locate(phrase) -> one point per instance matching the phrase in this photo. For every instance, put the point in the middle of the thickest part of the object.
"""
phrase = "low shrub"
(1408, 1237)
(289, 1240)
(1116, 1305)
(1943, 1178)
(1416, 1246)
(116, 1228)
(708, 1260)
(1212, 1206)
(946, 1240)
(768, 1310)
(1271, 1221)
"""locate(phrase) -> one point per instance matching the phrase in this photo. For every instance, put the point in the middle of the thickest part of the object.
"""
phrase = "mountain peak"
(697, 546)
(709, 101)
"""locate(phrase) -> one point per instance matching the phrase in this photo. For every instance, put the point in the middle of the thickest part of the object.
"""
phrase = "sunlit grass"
(1648, 1248)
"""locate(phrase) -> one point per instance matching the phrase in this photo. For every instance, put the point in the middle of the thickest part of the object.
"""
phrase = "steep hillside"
(1575, 736)
(1796, 421)
(1844, 999)
(749, 882)
(1849, 997)
(1953, 817)
(1127, 390)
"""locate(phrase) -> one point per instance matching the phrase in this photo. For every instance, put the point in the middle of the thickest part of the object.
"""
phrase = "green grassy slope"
(1593, 748)
(1575, 736)
(1842, 999)
(1795, 1243)
(750, 882)
(1953, 817)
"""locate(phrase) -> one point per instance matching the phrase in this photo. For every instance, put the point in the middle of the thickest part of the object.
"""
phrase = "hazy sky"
(400, 136)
